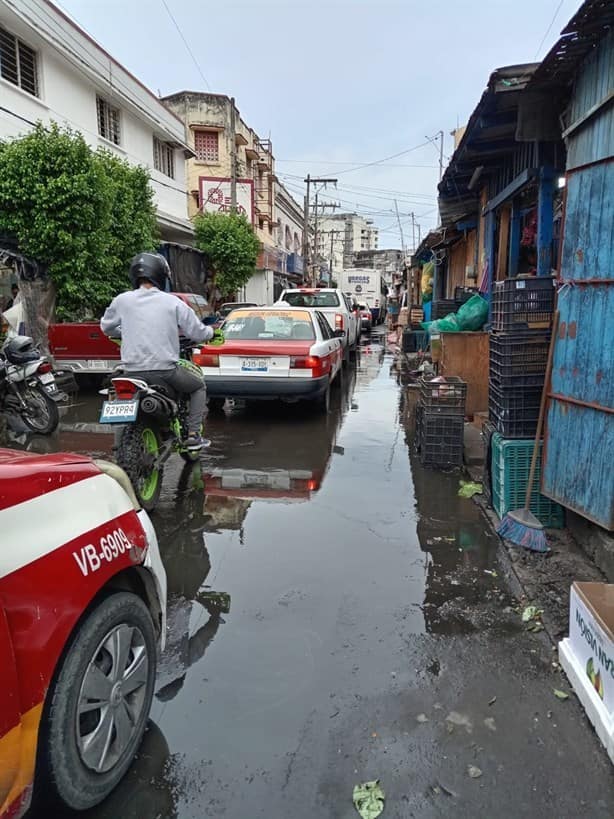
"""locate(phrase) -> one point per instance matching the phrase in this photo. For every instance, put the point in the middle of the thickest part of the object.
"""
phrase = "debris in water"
(422, 718)
(468, 489)
(456, 720)
(369, 799)
(474, 772)
(491, 572)
(561, 695)
(531, 613)
(493, 701)
(489, 722)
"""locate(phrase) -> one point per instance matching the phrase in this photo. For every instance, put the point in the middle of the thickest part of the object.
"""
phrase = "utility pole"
(396, 207)
(413, 233)
(306, 227)
(440, 155)
(233, 156)
(309, 181)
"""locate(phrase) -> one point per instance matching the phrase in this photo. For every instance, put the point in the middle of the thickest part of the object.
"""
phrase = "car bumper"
(88, 366)
(265, 388)
(157, 588)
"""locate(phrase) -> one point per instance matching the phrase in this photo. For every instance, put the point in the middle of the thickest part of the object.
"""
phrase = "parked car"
(82, 610)
(277, 352)
(366, 319)
(338, 308)
(84, 349)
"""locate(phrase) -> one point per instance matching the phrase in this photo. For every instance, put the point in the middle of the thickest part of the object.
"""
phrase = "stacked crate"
(521, 321)
(440, 419)
(522, 311)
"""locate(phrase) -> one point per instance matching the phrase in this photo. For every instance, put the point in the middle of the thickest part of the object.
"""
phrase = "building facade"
(289, 221)
(51, 70)
(339, 236)
(219, 138)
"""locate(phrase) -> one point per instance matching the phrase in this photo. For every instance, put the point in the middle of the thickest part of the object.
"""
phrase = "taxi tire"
(61, 768)
(322, 402)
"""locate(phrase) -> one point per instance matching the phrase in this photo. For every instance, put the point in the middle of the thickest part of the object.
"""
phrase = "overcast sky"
(336, 83)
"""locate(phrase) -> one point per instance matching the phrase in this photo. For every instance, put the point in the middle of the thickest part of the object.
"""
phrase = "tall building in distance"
(338, 236)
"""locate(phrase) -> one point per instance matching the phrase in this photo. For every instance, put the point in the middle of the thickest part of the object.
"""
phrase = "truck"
(366, 286)
(83, 348)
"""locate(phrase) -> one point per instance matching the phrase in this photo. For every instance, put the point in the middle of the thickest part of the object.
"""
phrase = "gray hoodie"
(149, 322)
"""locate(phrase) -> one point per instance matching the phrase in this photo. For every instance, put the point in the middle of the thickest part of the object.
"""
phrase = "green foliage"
(81, 213)
(231, 247)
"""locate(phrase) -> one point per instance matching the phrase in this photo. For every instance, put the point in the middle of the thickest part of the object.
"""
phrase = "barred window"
(206, 146)
(164, 157)
(108, 121)
(18, 63)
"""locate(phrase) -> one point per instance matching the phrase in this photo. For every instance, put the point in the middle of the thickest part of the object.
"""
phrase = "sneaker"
(195, 442)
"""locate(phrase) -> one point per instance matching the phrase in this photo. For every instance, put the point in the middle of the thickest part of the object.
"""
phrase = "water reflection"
(195, 610)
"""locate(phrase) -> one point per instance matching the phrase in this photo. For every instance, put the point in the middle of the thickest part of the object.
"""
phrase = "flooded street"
(336, 615)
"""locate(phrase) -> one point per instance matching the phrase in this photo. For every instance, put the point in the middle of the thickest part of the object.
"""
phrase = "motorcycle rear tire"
(45, 410)
(137, 443)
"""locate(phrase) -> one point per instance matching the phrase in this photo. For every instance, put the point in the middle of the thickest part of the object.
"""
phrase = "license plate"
(96, 364)
(47, 378)
(255, 365)
(118, 412)
(255, 480)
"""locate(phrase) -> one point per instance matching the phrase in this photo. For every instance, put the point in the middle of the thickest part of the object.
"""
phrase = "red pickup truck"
(83, 347)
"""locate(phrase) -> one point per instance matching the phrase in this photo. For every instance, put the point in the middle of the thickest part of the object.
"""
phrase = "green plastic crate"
(510, 465)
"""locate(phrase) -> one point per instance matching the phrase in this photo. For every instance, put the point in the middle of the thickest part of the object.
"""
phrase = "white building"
(50, 69)
(342, 234)
(289, 219)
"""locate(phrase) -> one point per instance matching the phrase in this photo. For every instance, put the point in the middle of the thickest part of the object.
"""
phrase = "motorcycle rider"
(149, 319)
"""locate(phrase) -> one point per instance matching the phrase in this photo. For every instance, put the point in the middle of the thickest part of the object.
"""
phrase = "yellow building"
(215, 130)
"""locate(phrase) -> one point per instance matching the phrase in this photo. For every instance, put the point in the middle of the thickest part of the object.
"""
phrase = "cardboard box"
(587, 655)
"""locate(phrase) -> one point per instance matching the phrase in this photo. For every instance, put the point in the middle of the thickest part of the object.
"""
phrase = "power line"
(344, 162)
(543, 40)
(385, 159)
(186, 44)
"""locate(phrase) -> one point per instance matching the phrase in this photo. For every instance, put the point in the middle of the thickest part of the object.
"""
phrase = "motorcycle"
(154, 419)
(27, 386)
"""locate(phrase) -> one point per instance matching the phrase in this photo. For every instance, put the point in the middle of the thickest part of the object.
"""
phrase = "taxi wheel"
(98, 707)
(322, 402)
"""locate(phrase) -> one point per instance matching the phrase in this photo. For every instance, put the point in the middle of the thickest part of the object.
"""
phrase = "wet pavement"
(369, 634)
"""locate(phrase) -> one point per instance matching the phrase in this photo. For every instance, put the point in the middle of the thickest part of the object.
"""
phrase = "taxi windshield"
(269, 326)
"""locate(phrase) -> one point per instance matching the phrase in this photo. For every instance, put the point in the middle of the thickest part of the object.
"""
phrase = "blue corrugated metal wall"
(579, 453)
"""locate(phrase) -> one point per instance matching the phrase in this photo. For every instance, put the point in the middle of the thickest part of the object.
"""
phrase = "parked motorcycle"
(155, 425)
(27, 385)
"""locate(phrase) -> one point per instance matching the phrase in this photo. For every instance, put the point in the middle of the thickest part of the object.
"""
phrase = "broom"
(520, 526)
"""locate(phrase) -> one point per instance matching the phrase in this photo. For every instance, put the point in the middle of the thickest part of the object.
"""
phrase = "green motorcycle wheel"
(138, 450)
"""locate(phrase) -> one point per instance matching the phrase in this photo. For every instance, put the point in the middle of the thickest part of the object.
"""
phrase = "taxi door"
(10, 721)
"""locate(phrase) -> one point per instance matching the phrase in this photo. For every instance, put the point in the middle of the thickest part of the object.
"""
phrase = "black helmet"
(21, 350)
(150, 266)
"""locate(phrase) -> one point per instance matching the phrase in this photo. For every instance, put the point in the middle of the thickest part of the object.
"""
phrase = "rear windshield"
(312, 299)
(252, 325)
(226, 309)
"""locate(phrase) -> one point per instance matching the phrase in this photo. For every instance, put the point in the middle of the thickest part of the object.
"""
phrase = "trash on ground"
(454, 719)
(369, 799)
(561, 695)
(489, 722)
(469, 488)
(493, 701)
(474, 772)
(531, 613)
(491, 572)
(422, 718)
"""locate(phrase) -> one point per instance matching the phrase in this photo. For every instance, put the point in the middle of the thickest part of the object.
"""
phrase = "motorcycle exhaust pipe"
(151, 405)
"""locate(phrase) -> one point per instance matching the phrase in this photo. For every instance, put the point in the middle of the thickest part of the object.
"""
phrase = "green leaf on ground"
(369, 799)
(468, 489)
(531, 613)
(561, 695)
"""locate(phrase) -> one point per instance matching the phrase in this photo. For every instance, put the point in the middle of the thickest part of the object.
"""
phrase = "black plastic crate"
(518, 359)
(463, 294)
(442, 308)
(514, 410)
(488, 430)
(414, 340)
(523, 304)
(446, 397)
(441, 440)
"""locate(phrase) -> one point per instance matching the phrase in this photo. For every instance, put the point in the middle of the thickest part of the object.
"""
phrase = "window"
(327, 333)
(273, 326)
(206, 146)
(18, 63)
(108, 121)
(311, 298)
(164, 157)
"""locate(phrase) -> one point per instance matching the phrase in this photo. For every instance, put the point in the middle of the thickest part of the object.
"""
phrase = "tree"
(230, 246)
(82, 214)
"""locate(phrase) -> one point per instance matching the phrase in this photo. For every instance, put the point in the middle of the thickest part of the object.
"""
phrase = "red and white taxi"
(280, 352)
(82, 609)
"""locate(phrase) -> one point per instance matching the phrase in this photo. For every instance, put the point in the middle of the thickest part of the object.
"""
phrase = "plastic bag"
(472, 314)
(447, 324)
